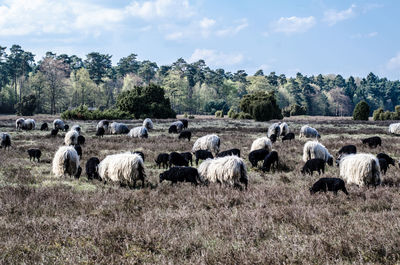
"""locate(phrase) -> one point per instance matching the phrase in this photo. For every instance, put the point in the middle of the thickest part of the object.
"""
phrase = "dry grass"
(52, 221)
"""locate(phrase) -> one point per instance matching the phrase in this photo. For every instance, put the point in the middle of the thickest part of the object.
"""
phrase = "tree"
(262, 106)
(128, 65)
(3, 68)
(27, 105)
(98, 66)
(339, 81)
(147, 71)
(84, 88)
(259, 73)
(350, 88)
(361, 111)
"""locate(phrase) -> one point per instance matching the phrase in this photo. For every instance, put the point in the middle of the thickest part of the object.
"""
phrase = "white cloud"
(206, 23)
(216, 58)
(233, 30)
(160, 8)
(394, 62)
(293, 24)
(333, 16)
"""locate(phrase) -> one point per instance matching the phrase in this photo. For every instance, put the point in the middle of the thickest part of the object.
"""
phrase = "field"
(45, 220)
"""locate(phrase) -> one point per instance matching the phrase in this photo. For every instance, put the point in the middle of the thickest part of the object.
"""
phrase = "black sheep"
(230, 152)
(289, 136)
(273, 137)
(81, 140)
(270, 160)
(257, 155)
(373, 141)
(203, 155)
(78, 149)
(139, 153)
(185, 123)
(78, 173)
(100, 132)
(383, 164)
(389, 160)
(180, 174)
(177, 160)
(315, 164)
(34, 153)
(44, 127)
(173, 129)
(162, 159)
(188, 156)
(66, 127)
(5, 141)
(185, 135)
(329, 184)
(54, 132)
(92, 168)
(348, 149)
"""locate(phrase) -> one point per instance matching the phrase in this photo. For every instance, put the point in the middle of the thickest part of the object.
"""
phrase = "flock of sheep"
(224, 167)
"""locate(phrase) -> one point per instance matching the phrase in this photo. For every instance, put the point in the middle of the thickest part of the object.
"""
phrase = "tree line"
(58, 82)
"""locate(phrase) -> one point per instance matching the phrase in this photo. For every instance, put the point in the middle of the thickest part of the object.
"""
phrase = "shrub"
(387, 115)
(296, 109)
(243, 116)
(361, 111)
(27, 105)
(185, 115)
(377, 114)
(262, 106)
(83, 113)
(219, 114)
(231, 113)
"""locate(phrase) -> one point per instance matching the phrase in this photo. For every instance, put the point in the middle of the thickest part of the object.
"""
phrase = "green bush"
(243, 116)
(262, 106)
(185, 115)
(361, 111)
(83, 113)
(27, 105)
(219, 114)
(377, 114)
(231, 113)
(387, 115)
(296, 109)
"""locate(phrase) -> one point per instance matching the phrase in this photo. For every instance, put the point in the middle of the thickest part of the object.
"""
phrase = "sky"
(307, 36)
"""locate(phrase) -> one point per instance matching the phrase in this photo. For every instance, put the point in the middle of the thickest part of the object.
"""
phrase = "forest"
(59, 82)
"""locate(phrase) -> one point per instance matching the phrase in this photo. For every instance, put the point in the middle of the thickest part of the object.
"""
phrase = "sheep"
(78, 150)
(92, 167)
(329, 184)
(360, 169)
(185, 135)
(81, 140)
(229, 152)
(229, 169)
(66, 128)
(348, 149)
(389, 160)
(257, 155)
(44, 127)
(309, 132)
(288, 136)
(284, 129)
(28, 124)
(71, 138)
(162, 160)
(210, 142)
(177, 159)
(271, 160)
(274, 129)
(34, 153)
(148, 124)
(173, 129)
(273, 137)
(103, 124)
(139, 153)
(100, 132)
(185, 123)
(372, 141)
(261, 143)
(5, 141)
(119, 128)
(180, 174)
(313, 149)
(394, 128)
(139, 132)
(78, 173)
(315, 164)
(77, 128)
(179, 126)
(19, 123)
(124, 168)
(54, 132)
(188, 157)
(203, 155)
(383, 164)
(58, 124)
(65, 161)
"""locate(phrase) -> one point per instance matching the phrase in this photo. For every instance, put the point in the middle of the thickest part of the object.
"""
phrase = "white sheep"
(58, 124)
(65, 161)
(71, 137)
(284, 128)
(102, 124)
(124, 168)
(261, 143)
(309, 132)
(229, 169)
(179, 126)
(360, 169)
(210, 142)
(119, 128)
(394, 128)
(139, 132)
(76, 128)
(274, 129)
(313, 149)
(19, 123)
(148, 124)
(29, 124)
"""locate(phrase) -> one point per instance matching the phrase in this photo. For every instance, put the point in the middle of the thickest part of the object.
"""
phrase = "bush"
(83, 113)
(27, 105)
(262, 106)
(387, 115)
(191, 117)
(243, 116)
(296, 110)
(361, 111)
(377, 114)
(219, 114)
(185, 115)
(231, 113)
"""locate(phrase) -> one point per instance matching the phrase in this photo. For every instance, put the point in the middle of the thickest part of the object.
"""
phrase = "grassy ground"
(66, 221)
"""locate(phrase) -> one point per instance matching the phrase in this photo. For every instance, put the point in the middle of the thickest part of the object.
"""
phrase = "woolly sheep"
(77, 128)
(261, 143)
(284, 128)
(124, 168)
(119, 128)
(360, 169)
(229, 169)
(148, 124)
(29, 124)
(65, 161)
(309, 132)
(179, 126)
(19, 123)
(274, 129)
(103, 124)
(100, 132)
(210, 142)
(139, 132)
(44, 127)
(313, 149)
(5, 140)
(71, 137)
(58, 124)
(394, 128)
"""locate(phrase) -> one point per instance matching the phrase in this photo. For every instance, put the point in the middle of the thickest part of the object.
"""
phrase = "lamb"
(348, 149)
(313, 149)
(229, 152)
(180, 174)
(162, 160)
(185, 135)
(54, 132)
(210, 142)
(34, 153)
(173, 129)
(309, 132)
(119, 128)
(44, 127)
(257, 155)
(315, 164)
(139, 132)
(103, 124)
(383, 165)
(100, 132)
(77, 128)
(81, 140)
(65, 161)
(5, 141)
(284, 129)
(92, 167)
(124, 168)
(148, 124)
(188, 157)
(273, 137)
(288, 136)
(19, 123)
(78, 150)
(360, 169)
(274, 129)
(261, 143)
(228, 170)
(271, 160)
(329, 184)
(203, 155)
(177, 160)
(389, 160)
(394, 128)
(185, 123)
(71, 138)
(373, 141)
(58, 124)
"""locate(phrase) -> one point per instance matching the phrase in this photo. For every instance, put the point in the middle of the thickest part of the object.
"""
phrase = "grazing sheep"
(77, 128)
(274, 129)
(210, 142)
(309, 132)
(360, 169)
(185, 135)
(313, 149)
(100, 132)
(271, 160)
(315, 164)
(81, 140)
(383, 165)
(28, 124)
(124, 168)
(78, 150)
(373, 141)
(389, 160)
(54, 132)
(162, 159)
(5, 141)
(288, 136)
(19, 123)
(179, 126)
(257, 155)
(394, 128)
(139, 132)
(92, 168)
(44, 127)
(103, 124)
(65, 161)
(177, 159)
(34, 153)
(229, 169)
(78, 173)
(66, 128)
(71, 137)
(58, 124)
(329, 184)
(348, 149)
(284, 129)
(203, 155)
(188, 157)
(185, 123)
(173, 129)
(261, 143)
(139, 153)
(229, 152)
(273, 137)
(119, 128)
(148, 124)
(180, 174)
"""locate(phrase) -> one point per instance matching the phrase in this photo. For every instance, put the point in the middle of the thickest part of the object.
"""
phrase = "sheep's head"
(330, 161)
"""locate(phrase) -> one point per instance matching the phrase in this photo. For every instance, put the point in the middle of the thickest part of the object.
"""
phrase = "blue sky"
(311, 37)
